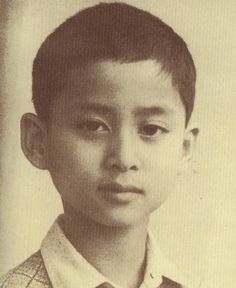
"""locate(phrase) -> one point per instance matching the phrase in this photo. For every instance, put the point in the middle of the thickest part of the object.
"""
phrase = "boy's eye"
(94, 126)
(152, 130)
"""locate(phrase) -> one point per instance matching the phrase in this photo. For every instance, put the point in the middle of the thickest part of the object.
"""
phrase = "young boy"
(113, 89)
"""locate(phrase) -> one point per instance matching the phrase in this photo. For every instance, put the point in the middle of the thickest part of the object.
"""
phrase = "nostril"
(118, 166)
(115, 163)
(115, 166)
(123, 168)
(134, 168)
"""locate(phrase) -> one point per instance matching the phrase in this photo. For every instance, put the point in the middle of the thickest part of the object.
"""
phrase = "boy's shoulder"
(31, 273)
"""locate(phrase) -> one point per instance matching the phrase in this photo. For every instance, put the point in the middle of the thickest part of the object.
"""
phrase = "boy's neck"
(111, 250)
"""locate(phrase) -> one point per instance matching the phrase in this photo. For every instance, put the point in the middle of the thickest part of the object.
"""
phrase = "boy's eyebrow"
(153, 110)
(105, 109)
(94, 107)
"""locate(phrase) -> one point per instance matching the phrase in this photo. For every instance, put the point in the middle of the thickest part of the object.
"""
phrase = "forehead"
(120, 85)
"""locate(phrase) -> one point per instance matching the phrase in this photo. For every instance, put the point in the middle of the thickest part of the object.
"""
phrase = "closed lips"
(118, 188)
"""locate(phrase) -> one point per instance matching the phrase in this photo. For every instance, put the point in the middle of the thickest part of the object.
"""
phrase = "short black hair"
(110, 31)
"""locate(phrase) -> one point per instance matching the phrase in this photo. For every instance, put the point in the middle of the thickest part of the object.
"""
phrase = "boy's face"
(116, 141)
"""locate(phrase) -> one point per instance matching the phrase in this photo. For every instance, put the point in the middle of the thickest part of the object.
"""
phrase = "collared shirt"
(67, 268)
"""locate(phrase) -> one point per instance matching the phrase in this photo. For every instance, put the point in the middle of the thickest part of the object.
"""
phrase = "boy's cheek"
(164, 160)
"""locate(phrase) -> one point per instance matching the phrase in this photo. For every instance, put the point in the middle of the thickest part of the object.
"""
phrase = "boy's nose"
(122, 155)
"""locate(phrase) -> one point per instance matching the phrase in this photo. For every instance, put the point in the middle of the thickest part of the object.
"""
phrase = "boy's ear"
(33, 140)
(189, 143)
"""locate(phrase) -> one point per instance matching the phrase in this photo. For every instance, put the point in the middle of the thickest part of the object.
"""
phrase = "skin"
(112, 124)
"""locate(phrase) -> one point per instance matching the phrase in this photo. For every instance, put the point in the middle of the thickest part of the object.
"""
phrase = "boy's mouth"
(119, 188)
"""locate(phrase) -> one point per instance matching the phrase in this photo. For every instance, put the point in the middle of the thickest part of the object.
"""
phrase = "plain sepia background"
(196, 227)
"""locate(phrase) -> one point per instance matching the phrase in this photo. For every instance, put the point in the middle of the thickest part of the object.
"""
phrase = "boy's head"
(113, 88)
(116, 32)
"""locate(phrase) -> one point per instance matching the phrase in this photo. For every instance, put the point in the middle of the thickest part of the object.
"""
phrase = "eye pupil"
(93, 125)
(150, 129)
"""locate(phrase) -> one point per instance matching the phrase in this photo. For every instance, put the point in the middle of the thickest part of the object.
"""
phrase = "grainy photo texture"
(117, 144)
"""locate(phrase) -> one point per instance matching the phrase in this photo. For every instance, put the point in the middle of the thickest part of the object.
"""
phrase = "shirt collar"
(158, 266)
(67, 268)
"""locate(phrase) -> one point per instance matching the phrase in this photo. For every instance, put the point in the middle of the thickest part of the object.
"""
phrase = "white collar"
(67, 268)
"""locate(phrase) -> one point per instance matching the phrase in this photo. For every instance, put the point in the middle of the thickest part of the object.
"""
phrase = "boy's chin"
(125, 220)
(128, 224)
